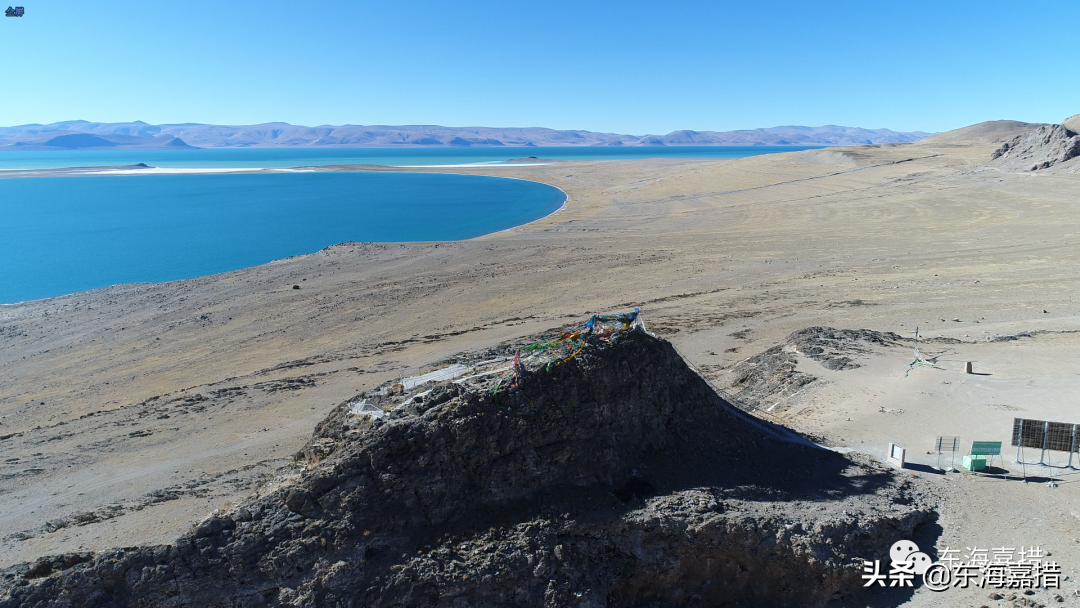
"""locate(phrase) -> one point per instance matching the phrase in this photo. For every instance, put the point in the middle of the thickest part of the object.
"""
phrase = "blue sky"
(626, 67)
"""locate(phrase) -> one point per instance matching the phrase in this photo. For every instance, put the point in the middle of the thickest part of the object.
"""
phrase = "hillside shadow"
(780, 465)
(925, 536)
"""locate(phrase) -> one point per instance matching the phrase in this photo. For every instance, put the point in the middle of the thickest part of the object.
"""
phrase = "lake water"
(66, 234)
(297, 157)
(62, 235)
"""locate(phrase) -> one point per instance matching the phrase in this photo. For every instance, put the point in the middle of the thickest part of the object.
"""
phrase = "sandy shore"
(128, 413)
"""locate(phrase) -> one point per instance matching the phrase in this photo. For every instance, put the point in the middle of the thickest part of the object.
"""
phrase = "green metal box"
(975, 463)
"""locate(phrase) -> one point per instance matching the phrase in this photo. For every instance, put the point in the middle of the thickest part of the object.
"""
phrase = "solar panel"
(1028, 433)
(1059, 437)
(1040, 434)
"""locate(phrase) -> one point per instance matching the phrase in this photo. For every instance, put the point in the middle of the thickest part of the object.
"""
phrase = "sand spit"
(147, 170)
(140, 169)
(475, 165)
(177, 171)
(616, 478)
(130, 413)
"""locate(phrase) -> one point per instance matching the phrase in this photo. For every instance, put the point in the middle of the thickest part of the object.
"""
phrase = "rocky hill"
(615, 477)
(276, 135)
(1037, 149)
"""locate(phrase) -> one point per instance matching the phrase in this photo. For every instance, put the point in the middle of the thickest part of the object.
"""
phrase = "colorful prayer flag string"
(571, 342)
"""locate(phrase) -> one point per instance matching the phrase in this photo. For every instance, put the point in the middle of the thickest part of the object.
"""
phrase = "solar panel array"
(1040, 434)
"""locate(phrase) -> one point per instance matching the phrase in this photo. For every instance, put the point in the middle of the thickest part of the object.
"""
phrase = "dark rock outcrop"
(759, 381)
(618, 478)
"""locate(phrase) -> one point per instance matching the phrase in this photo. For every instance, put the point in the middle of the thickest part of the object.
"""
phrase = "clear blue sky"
(626, 67)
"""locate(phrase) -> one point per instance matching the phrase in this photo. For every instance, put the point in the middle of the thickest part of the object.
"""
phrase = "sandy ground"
(128, 413)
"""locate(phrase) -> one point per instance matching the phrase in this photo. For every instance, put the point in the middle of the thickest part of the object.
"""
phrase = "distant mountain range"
(83, 135)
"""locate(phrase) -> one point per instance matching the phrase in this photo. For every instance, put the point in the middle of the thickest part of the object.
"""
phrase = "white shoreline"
(173, 170)
(77, 171)
(471, 165)
(81, 171)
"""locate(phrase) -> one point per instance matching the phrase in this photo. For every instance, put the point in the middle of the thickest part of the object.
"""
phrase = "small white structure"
(446, 373)
(896, 455)
(366, 409)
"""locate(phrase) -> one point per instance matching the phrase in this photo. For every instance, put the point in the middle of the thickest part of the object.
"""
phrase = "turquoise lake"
(297, 157)
(66, 234)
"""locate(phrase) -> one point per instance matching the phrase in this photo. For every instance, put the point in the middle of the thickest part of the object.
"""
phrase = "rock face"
(618, 478)
(1039, 149)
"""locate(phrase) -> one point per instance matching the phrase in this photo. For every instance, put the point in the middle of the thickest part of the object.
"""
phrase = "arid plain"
(129, 413)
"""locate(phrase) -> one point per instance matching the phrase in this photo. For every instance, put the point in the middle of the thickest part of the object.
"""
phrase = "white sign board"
(897, 455)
